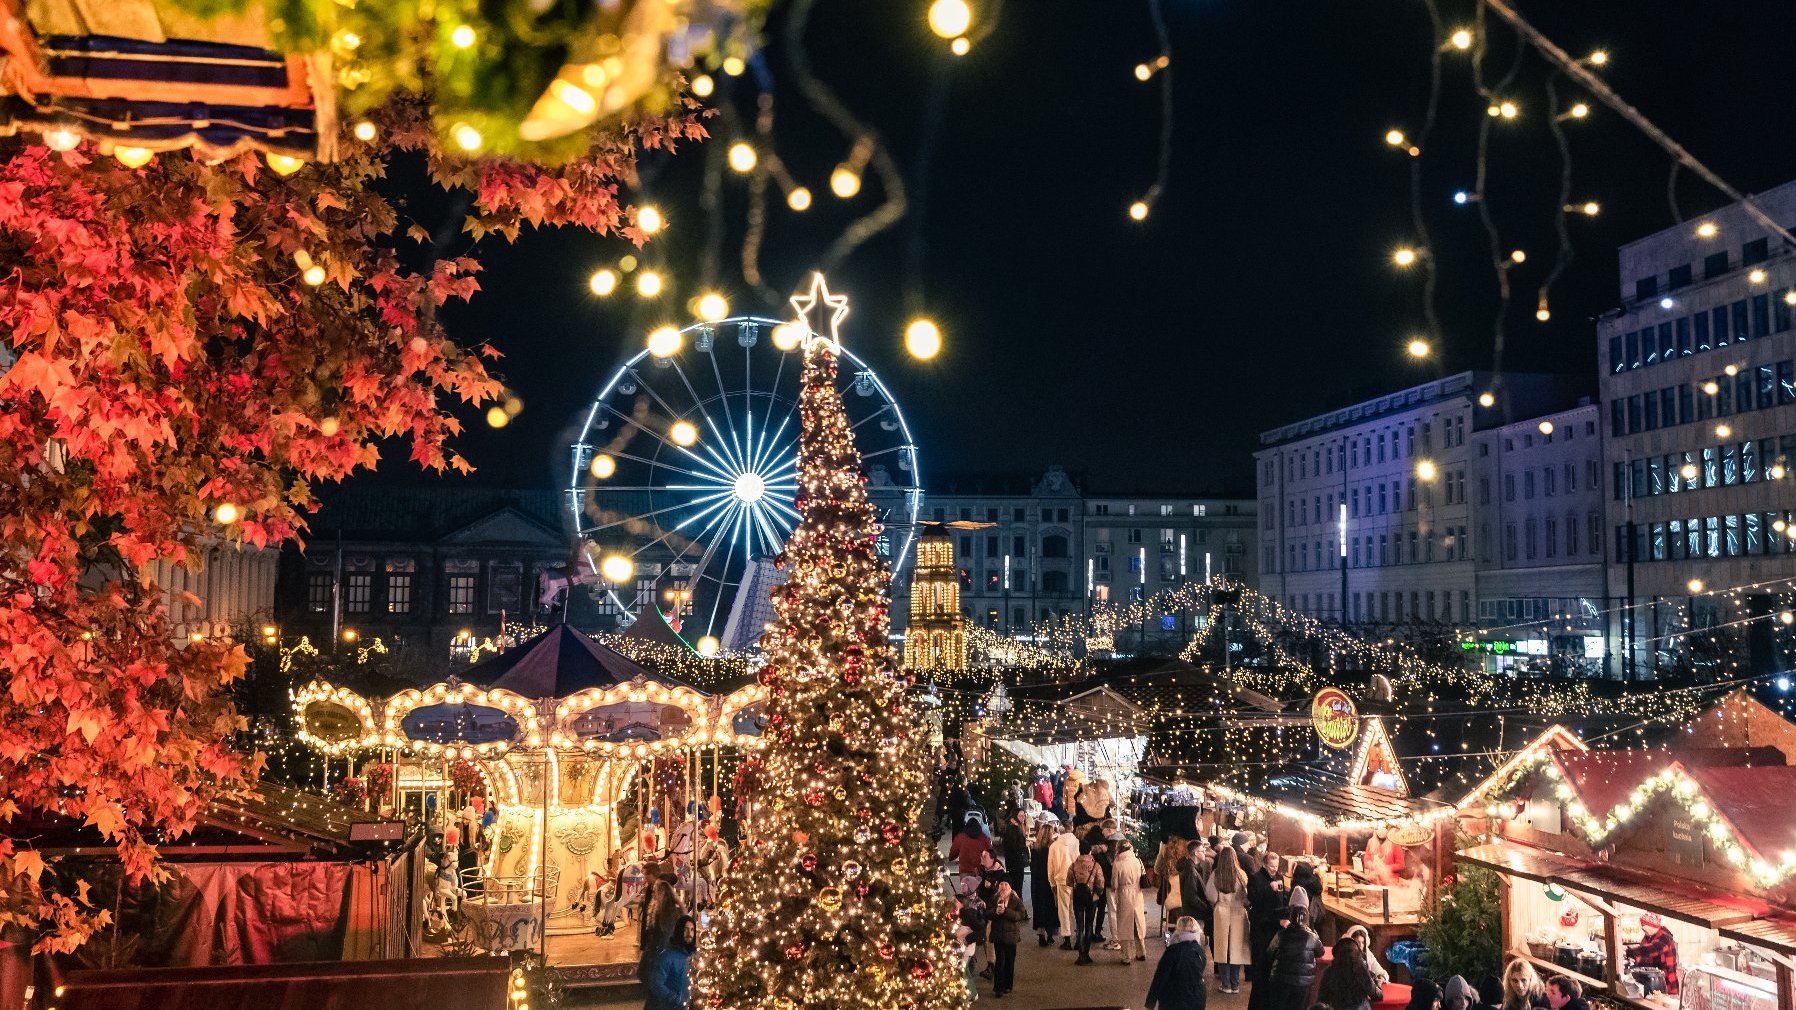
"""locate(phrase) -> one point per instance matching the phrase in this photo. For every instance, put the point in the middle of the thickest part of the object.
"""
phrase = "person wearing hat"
(1179, 977)
(1657, 949)
(1290, 969)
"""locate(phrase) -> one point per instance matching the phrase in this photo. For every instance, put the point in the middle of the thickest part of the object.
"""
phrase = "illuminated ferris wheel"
(684, 477)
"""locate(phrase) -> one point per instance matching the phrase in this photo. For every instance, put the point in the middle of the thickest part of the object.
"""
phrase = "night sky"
(1259, 292)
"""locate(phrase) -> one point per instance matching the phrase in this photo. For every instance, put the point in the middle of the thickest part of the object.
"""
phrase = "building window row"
(1747, 319)
(1714, 265)
(1724, 465)
(1750, 388)
(1739, 535)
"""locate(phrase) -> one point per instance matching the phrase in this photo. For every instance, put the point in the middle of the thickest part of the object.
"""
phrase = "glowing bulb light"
(960, 46)
(799, 199)
(133, 157)
(1711, 387)
(733, 66)
(1724, 431)
(1138, 210)
(603, 466)
(1694, 585)
(1417, 348)
(462, 37)
(708, 647)
(703, 85)
(1757, 276)
(313, 275)
(1591, 208)
(1687, 471)
(1546, 427)
(1775, 471)
(283, 164)
(1518, 256)
(664, 342)
(1143, 71)
(923, 339)
(1394, 138)
(683, 433)
(603, 282)
(950, 18)
(1404, 257)
(743, 157)
(466, 137)
(1425, 470)
(617, 569)
(1580, 110)
(648, 284)
(225, 514)
(364, 131)
(712, 307)
(845, 182)
(1461, 40)
(1599, 58)
(61, 138)
(787, 336)
(649, 219)
(1487, 400)
(496, 417)
(1707, 230)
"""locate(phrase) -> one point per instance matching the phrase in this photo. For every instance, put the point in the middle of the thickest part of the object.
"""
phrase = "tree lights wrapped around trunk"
(833, 901)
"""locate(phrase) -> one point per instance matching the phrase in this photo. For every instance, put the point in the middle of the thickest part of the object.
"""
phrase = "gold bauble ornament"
(830, 898)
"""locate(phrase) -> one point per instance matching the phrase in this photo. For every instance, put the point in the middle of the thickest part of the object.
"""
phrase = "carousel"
(589, 769)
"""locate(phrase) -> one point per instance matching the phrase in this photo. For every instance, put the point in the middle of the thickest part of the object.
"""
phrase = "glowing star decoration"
(818, 300)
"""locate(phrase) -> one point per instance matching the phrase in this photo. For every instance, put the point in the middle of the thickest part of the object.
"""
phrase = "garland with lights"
(833, 900)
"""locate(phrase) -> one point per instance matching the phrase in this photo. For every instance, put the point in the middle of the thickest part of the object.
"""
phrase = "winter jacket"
(1344, 988)
(669, 981)
(1125, 881)
(1061, 855)
(966, 851)
(1179, 978)
(1266, 894)
(1086, 871)
(1007, 925)
(1294, 951)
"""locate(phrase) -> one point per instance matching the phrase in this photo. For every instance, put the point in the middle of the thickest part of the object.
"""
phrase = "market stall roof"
(651, 626)
(1614, 883)
(558, 663)
(1776, 933)
(1603, 779)
(1756, 801)
(263, 821)
(1553, 738)
(1093, 714)
(476, 983)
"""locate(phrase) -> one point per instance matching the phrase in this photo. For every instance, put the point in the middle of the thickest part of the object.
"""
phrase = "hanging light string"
(1418, 148)
(1562, 257)
(1501, 262)
(867, 147)
(1162, 68)
(1580, 71)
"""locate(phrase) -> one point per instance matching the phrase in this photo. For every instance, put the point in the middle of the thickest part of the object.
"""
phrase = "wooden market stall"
(1380, 848)
(1662, 879)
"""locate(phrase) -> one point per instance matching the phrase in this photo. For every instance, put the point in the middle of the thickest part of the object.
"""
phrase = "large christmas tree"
(834, 901)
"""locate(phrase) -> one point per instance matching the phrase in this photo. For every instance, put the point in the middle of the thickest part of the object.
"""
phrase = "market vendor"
(1383, 858)
(1657, 949)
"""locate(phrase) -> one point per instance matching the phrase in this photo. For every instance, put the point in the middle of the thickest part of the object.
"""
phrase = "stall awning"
(1776, 934)
(1616, 885)
(476, 983)
(1520, 861)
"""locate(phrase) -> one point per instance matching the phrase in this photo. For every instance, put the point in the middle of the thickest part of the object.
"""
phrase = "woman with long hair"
(1227, 893)
(1347, 985)
(1522, 987)
(1041, 886)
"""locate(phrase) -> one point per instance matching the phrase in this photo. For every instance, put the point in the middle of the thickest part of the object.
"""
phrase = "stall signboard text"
(1335, 718)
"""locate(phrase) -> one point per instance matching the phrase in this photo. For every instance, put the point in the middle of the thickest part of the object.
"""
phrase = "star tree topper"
(818, 300)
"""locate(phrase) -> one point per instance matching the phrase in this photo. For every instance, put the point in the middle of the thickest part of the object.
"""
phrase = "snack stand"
(1378, 848)
(1663, 880)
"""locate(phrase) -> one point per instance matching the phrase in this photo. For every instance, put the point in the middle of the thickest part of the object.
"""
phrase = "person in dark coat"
(1304, 875)
(669, 981)
(1425, 995)
(661, 913)
(1291, 967)
(1041, 887)
(1267, 897)
(1013, 844)
(1007, 918)
(1562, 994)
(1179, 977)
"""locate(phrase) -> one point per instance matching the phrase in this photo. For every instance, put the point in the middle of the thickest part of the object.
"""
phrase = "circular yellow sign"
(1335, 718)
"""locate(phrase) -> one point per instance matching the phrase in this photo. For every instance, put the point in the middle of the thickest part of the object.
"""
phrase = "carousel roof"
(558, 663)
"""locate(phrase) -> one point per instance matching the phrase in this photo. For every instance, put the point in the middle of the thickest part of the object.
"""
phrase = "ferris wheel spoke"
(729, 555)
(881, 412)
(719, 475)
(666, 407)
(694, 503)
(723, 396)
(772, 538)
(713, 510)
(773, 444)
(725, 446)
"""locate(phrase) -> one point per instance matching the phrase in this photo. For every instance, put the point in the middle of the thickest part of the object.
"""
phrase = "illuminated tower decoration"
(835, 900)
(936, 636)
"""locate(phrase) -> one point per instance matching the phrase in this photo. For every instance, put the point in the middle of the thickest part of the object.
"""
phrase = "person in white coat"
(1060, 859)
(1131, 910)
(1229, 945)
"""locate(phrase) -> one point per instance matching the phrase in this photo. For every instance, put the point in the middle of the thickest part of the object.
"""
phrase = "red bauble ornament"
(921, 971)
(886, 951)
(892, 832)
(808, 861)
(813, 797)
(863, 813)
